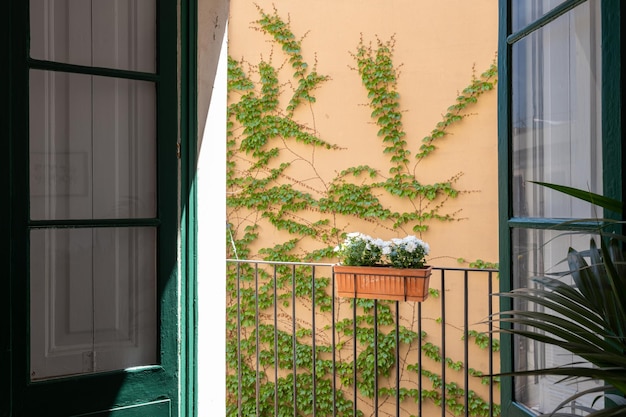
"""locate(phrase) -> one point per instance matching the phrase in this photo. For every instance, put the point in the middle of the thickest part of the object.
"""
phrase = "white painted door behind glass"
(92, 156)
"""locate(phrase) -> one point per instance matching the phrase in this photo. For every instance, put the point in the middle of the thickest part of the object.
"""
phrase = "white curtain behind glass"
(557, 139)
(556, 114)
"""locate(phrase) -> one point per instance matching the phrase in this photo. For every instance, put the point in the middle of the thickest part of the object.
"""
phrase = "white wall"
(211, 177)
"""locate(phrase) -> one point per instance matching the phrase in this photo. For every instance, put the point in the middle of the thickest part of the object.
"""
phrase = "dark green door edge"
(188, 154)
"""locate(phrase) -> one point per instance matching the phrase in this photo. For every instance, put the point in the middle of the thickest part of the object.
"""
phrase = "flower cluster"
(359, 249)
(409, 252)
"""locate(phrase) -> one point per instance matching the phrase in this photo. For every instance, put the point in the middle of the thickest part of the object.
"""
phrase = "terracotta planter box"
(382, 283)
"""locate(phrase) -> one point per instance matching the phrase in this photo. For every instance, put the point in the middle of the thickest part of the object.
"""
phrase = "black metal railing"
(293, 348)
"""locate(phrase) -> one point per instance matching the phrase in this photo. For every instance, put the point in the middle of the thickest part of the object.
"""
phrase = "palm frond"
(597, 199)
(586, 318)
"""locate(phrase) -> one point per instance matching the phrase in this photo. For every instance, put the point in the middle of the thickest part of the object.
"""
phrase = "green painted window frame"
(176, 219)
(614, 181)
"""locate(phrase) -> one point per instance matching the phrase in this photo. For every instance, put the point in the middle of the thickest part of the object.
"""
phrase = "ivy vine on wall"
(275, 187)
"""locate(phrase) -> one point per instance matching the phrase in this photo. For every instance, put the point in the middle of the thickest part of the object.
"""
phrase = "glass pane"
(556, 107)
(540, 253)
(119, 34)
(92, 147)
(524, 12)
(93, 300)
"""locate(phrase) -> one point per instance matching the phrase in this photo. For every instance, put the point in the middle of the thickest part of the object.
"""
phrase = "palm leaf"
(579, 394)
(588, 318)
(597, 199)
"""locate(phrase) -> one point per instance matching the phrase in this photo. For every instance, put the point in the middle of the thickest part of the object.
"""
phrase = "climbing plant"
(275, 187)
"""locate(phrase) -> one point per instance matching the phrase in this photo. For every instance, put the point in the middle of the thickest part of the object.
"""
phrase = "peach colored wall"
(437, 42)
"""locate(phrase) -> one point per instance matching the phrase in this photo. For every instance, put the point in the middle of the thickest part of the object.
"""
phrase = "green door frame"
(5, 217)
(613, 152)
(177, 51)
(189, 230)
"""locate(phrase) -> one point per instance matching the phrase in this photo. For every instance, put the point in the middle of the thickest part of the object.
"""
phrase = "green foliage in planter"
(265, 140)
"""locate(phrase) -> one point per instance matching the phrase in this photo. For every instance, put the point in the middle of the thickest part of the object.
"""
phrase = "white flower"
(410, 247)
(378, 242)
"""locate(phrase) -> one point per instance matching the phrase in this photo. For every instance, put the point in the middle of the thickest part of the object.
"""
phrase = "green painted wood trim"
(152, 409)
(189, 232)
(78, 395)
(18, 138)
(504, 187)
(612, 101)
(81, 69)
(5, 215)
(590, 225)
(168, 100)
(64, 224)
(553, 14)
(622, 64)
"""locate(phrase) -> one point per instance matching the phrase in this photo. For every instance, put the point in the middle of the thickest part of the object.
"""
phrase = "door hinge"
(178, 150)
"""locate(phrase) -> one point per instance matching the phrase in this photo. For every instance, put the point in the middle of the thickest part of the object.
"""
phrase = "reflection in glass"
(524, 12)
(92, 147)
(556, 107)
(541, 253)
(93, 300)
(118, 34)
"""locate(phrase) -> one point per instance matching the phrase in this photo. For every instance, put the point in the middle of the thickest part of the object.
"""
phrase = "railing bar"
(275, 342)
(239, 373)
(243, 261)
(376, 358)
(397, 359)
(443, 344)
(333, 342)
(258, 337)
(260, 262)
(293, 338)
(354, 373)
(466, 338)
(490, 328)
(441, 268)
(313, 346)
(419, 356)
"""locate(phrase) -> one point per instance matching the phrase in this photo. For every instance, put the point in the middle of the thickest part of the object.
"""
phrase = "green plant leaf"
(597, 199)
